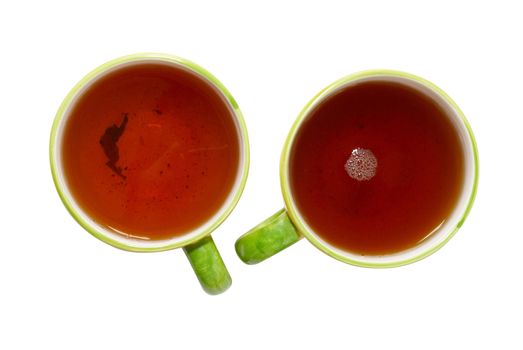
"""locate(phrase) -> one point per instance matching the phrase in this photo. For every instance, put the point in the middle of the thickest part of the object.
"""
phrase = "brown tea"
(151, 151)
(376, 168)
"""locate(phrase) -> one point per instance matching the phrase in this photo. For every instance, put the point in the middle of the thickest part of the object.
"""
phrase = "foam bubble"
(362, 164)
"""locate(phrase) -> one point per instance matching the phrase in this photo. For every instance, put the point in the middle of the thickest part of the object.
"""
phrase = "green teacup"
(196, 241)
(289, 225)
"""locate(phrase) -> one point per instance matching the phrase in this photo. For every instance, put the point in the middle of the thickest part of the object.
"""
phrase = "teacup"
(149, 152)
(357, 188)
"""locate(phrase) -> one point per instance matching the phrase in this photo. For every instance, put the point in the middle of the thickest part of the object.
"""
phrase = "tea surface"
(150, 151)
(376, 168)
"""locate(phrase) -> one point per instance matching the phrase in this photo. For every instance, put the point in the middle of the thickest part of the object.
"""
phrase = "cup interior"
(121, 239)
(441, 234)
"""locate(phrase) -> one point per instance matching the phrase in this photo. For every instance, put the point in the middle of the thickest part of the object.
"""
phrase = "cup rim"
(191, 237)
(292, 210)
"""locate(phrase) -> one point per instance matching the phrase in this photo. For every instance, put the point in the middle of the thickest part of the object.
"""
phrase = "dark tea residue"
(109, 141)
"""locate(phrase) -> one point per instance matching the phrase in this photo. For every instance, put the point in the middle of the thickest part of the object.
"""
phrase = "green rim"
(54, 153)
(284, 161)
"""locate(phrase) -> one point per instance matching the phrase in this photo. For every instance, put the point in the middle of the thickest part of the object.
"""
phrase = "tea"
(151, 151)
(376, 168)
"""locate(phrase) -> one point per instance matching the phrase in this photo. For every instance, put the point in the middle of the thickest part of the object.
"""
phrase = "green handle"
(208, 266)
(268, 238)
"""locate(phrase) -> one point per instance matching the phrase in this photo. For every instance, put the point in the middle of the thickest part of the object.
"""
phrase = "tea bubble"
(362, 164)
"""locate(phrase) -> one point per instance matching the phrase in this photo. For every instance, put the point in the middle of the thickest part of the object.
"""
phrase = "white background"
(60, 288)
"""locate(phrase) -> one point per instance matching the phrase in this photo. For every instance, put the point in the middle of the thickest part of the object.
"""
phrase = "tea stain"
(109, 141)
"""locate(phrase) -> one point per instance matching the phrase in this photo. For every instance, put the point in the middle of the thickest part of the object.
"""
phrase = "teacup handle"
(208, 266)
(268, 238)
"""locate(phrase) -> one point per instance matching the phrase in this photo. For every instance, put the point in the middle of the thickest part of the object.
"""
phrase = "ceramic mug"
(288, 225)
(197, 244)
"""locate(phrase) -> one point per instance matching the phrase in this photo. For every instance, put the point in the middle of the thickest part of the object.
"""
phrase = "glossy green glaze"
(208, 266)
(129, 244)
(268, 238)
